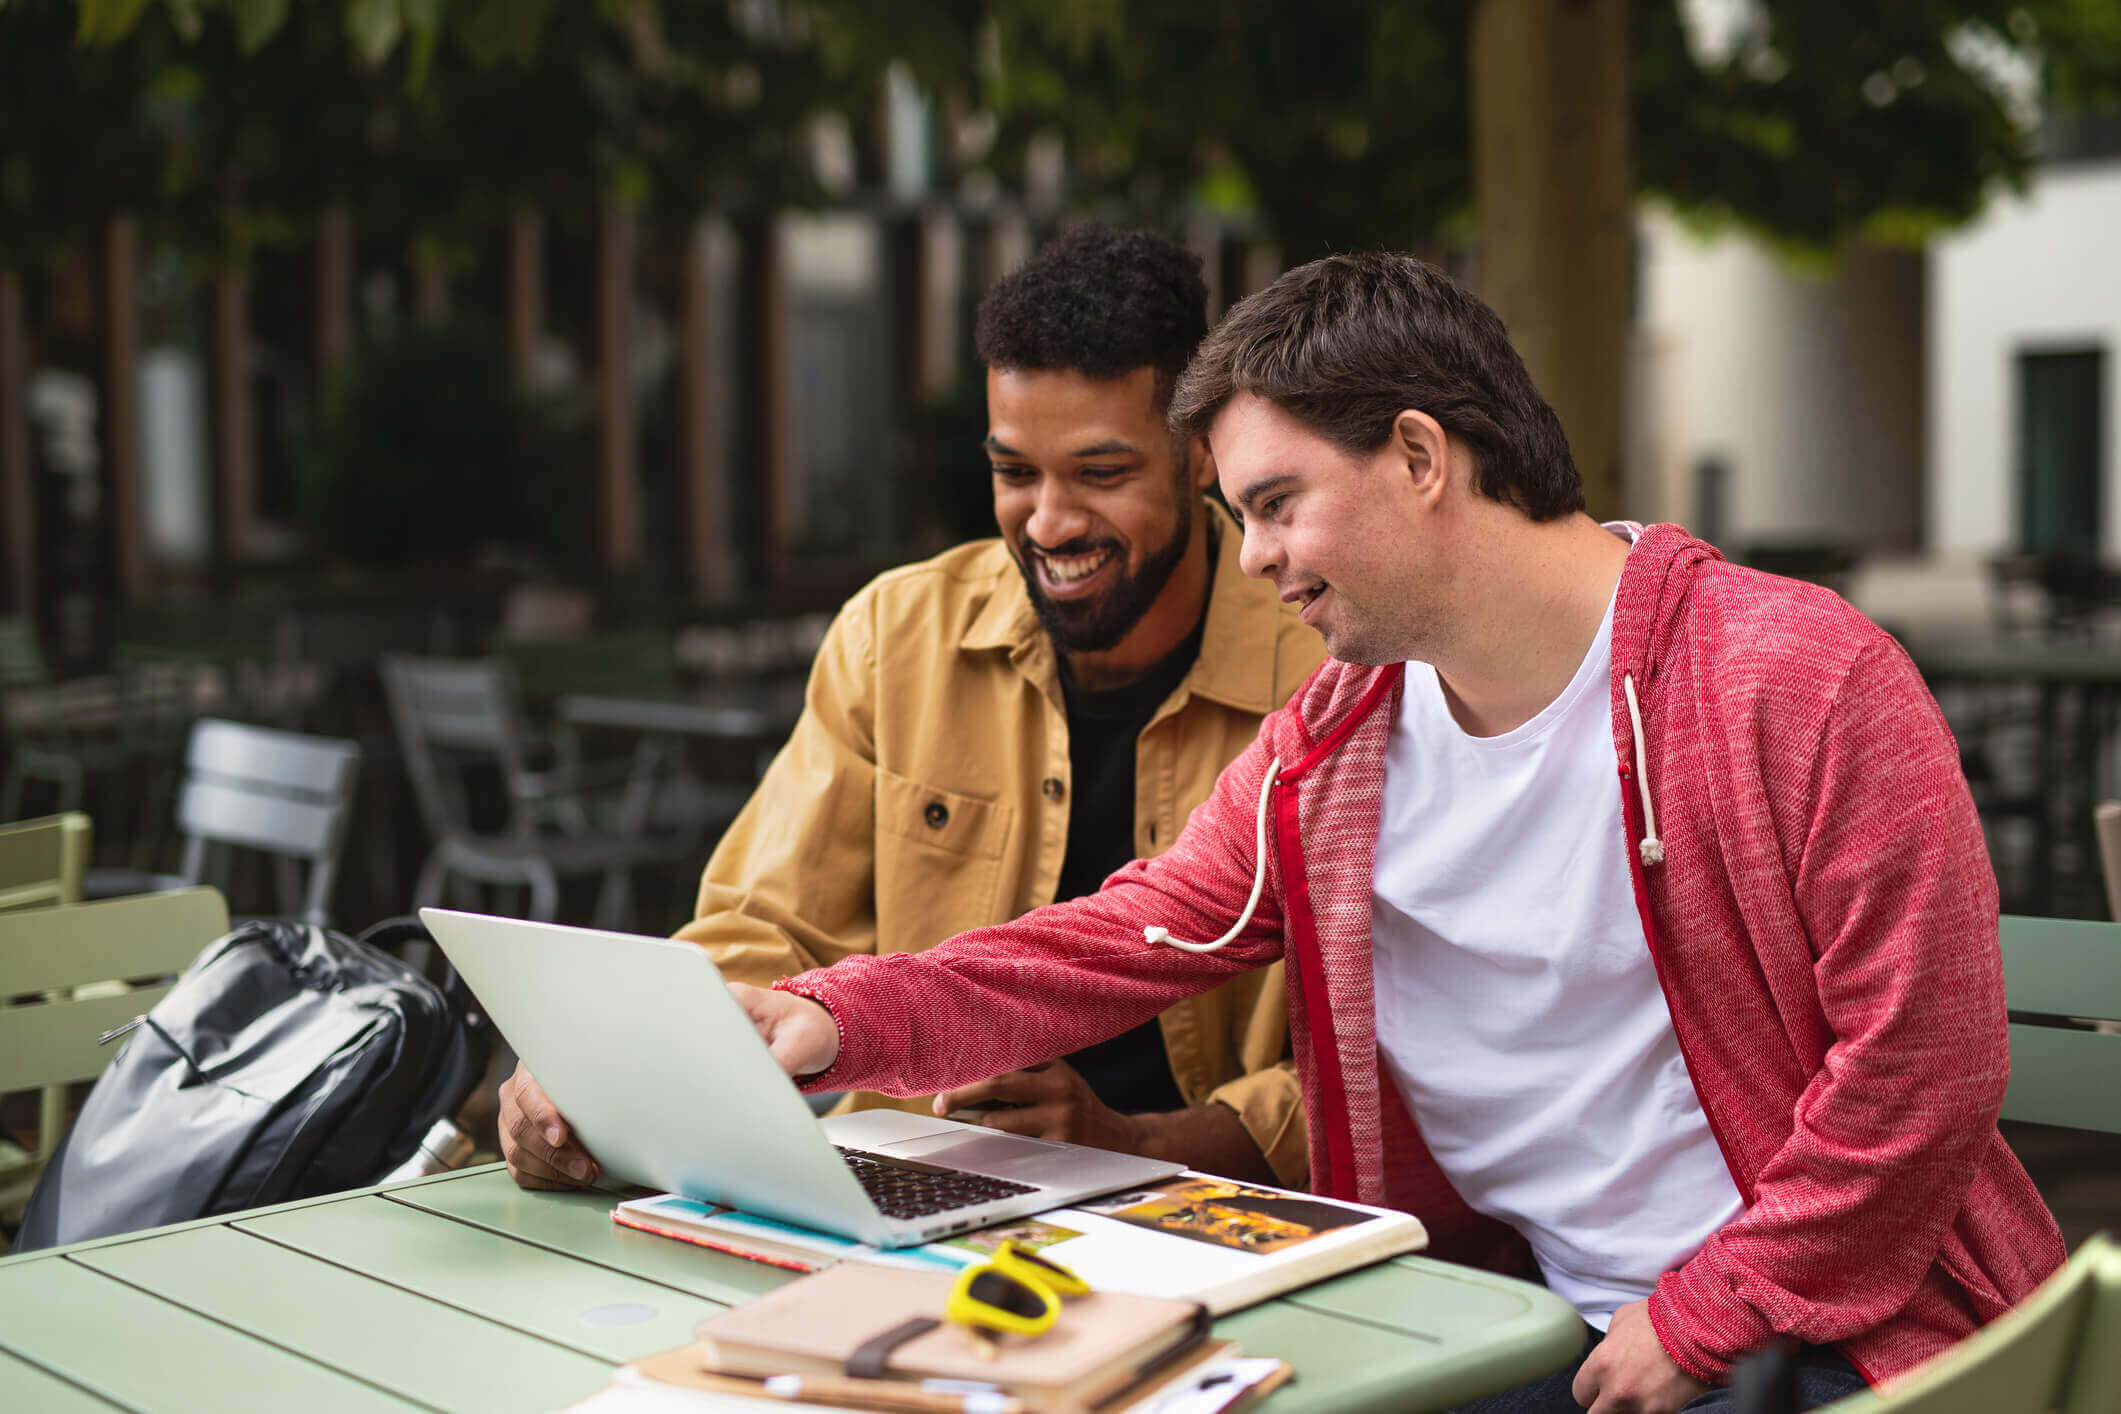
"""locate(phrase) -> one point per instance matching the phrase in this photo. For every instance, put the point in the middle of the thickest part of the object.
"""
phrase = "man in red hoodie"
(1634, 905)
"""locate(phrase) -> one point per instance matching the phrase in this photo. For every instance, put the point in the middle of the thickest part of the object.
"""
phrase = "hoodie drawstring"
(1154, 935)
(1652, 848)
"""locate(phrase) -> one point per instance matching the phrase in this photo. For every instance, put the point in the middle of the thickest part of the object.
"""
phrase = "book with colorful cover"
(1194, 1237)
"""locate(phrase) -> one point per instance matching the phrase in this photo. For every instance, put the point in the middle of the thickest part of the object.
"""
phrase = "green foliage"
(1345, 124)
(426, 453)
(1332, 124)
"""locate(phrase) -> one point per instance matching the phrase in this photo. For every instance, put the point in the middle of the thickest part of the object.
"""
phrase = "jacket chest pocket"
(938, 862)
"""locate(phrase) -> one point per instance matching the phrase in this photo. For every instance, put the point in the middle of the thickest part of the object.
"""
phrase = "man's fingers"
(800, 1033)
(538, 1109)
(1012, 1087)
(529, 1151)
(540, 1150)
(1589, 1375)
(1035, 1121)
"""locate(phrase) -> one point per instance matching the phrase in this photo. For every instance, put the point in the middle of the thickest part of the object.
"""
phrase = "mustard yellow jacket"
(925, 792)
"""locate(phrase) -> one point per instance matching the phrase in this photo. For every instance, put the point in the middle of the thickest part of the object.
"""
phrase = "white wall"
(1808, 386)
(2042, 271)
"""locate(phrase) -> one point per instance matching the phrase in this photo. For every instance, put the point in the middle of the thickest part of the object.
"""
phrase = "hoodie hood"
(1659, 573)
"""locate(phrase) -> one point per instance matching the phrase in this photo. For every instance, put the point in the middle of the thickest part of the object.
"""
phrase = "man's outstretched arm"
(1062, 977)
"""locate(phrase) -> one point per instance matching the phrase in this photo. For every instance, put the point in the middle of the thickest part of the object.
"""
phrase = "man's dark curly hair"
(1101, 303)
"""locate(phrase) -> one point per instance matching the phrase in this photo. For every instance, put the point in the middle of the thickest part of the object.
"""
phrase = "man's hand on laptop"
(541, 1151)
(1053, 1101)
(800, 1032)
(1049, 1101)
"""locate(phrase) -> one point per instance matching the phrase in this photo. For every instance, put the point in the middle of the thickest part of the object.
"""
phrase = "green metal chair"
(2059, 1352)
(2059, 973)
(42, 862)
(76, 959)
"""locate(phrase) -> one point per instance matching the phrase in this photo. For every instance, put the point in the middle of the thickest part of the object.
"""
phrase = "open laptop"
(664, 1080)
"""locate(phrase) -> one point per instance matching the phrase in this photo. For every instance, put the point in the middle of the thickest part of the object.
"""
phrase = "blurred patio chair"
(281, 793)
(131, 722)
(573, 819)
(72, 960)
(42, 862)
(21, 660)
(2106, 823)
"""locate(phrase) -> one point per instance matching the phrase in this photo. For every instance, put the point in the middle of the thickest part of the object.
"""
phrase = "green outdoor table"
(462, 1292)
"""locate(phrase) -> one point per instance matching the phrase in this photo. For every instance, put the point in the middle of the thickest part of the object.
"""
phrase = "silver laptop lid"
(657, 1069)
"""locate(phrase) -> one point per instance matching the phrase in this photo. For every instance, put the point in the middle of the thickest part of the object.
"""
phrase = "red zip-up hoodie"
(1815, 896)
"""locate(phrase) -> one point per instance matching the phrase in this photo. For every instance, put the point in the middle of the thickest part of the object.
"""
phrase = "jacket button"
(1051, 788)
(936, 814)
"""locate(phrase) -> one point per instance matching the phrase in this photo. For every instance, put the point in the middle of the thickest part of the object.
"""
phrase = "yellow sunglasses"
(1015, 1291)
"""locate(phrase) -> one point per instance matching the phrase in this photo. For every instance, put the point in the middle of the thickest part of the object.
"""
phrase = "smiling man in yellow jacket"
(1007, 723)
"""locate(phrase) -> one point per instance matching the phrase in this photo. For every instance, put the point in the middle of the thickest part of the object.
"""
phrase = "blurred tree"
(427, 452)
(1337, 124)
(1341, 124)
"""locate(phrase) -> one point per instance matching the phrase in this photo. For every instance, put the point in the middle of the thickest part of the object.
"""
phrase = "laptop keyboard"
(906, 1188)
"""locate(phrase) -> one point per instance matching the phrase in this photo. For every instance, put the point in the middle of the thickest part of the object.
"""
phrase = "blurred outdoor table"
(2075, 688)
(733, 711)
(463, 1292)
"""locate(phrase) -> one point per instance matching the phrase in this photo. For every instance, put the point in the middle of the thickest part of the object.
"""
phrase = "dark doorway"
(2061, 437)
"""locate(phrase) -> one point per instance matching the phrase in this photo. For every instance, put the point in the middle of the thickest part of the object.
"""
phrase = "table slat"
(580, 1225)
(1342, 1366)
(26, 1386)
(1440, 1301)
(560, 1299)
(152, 1355)
(406, 1343)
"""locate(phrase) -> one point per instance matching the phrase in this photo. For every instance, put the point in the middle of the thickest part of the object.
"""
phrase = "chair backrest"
(21, 660)
(2058, 1352)
(2054, 970)
(2106, 824)
(52, 951)
(43, 861)
(281, 792)
(448, 711)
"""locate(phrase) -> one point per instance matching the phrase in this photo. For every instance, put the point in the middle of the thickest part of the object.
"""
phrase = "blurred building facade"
(2024, 368)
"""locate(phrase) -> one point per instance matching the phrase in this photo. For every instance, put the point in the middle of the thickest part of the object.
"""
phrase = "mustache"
(1071, 547)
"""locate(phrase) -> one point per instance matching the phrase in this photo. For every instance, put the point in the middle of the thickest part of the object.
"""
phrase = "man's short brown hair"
(1345, 344)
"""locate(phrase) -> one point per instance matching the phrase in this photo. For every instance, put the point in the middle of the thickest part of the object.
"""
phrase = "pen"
(889, 1394)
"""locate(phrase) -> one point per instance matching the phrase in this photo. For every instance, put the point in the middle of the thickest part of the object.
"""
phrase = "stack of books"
(1108, 1352)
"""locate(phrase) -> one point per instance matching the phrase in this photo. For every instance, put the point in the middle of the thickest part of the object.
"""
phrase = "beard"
(1094, 625)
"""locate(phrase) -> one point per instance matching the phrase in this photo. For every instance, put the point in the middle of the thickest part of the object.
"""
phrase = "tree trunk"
(18, 504)
(708, 568)
(430, 281)
(121, 417)
(335, 273)
(233, 474)
(618, 496)
(1556, 202)
(526, 290)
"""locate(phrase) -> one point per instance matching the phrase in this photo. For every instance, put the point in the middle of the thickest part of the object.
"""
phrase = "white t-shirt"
(1517, 1005)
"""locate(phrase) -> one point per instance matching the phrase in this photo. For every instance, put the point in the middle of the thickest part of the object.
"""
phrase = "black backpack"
(288, 1061)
